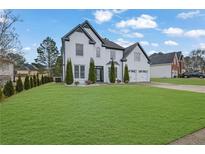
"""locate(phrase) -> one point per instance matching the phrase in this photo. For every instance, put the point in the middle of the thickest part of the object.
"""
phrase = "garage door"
(142, 76)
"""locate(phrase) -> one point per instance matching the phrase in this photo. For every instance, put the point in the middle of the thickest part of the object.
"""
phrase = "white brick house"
(83, 43)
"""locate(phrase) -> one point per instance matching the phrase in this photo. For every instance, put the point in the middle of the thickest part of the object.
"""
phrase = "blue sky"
(156, 30)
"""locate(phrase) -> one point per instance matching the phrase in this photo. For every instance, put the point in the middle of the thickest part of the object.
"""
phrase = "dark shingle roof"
(110, 62)
(112, 45)
(161, 58)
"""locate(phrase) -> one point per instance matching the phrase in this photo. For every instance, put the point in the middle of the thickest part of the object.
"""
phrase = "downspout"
(63, 54)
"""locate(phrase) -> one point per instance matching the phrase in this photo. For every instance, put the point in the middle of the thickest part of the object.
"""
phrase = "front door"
(99, 73)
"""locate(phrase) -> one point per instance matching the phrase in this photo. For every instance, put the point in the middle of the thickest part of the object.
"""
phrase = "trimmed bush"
(26, 83)
(34, 81)
(42, 79)
(38, 81)
(1, 95)
(126, 74)
(112, 72)
(19, 84)
(92, 74)
(69, 73)
(8, 89)
(31, 82)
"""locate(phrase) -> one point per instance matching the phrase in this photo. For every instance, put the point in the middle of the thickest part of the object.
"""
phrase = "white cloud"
(170, 43)
(123, 42)
(144, 43)
(173, 31)
(202, 45)
(117, 11)
(186, 15)
(127, 33)
(103, 16)
(106, 15)
(155, 44)
(151, 52)
(195, 33)
(27, 48)
(142, 22)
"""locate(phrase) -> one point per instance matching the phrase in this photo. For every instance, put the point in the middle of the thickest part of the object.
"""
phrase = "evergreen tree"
(34, 81)
(38, 81)
(112, 72)
(126, 74)
(42, 79)
(69, 73)
(47, 53)
(8, 89)
(26, 83)
(1, 95)
(19, 84)
(92, 75)
(31, 82)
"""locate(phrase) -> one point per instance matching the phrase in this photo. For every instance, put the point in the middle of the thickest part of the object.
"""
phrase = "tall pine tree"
(92, 74)
(126, 74)
(112, 72)
(19, 84)
(47, 54)
(26, 83)
(69, 73)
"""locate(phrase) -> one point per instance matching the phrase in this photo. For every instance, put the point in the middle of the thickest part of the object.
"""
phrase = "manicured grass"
(183, 81)
(129, 114)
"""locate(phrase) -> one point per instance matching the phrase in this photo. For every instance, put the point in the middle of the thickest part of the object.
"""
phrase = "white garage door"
(142, 76)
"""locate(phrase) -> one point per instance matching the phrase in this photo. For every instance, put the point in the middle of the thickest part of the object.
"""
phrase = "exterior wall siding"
(161, 71)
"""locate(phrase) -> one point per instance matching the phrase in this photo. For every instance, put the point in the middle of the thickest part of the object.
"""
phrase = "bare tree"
(9, 42)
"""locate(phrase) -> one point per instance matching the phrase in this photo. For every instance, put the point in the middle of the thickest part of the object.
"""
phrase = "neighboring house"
(83, 43)
(166, 65)
(6, 70)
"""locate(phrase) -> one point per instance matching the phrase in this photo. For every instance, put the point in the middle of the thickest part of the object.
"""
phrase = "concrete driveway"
(193, 88)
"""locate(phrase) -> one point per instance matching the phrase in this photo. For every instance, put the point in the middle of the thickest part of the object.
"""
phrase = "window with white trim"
(98, 52)
(79, 71)
(79, 49)
(112, 54)
(137, 56)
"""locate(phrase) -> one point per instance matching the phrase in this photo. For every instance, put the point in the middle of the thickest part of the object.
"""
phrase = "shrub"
(1, 95)
(88, 82)
(19, 84)
(112, 72)
(77, 83)
(126, 75)
(69, 73)
(8, 89)
(31, 82)
(42, 79)
(26, 83)
(38, 81)
(119, 81)
(34, 81)
(92, 75)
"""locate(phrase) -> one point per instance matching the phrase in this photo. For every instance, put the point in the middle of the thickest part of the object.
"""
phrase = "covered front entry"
(99, 73)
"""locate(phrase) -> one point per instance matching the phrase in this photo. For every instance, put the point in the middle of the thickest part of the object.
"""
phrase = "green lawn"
(184, 81)
(129, 114)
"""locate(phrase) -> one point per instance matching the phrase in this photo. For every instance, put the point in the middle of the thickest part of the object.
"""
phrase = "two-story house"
(83, 43)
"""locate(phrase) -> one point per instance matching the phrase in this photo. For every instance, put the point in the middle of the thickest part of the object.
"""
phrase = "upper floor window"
(79, 49)
(137, 56)
(112, 54)
(98, 52)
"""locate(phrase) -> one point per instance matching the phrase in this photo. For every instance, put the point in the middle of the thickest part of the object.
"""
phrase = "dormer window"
(98, 52)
